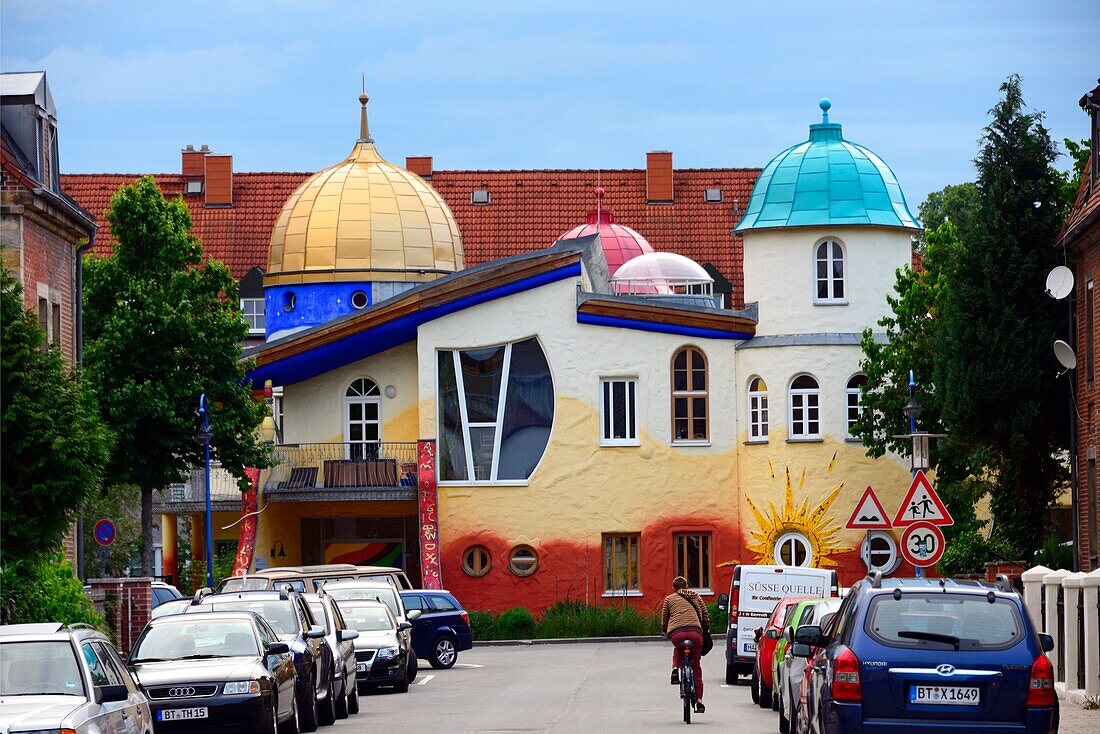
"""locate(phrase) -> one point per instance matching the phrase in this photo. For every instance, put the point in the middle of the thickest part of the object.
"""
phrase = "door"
(362, 419)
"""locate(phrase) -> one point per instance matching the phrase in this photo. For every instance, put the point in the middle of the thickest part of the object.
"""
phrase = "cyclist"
(684, 617)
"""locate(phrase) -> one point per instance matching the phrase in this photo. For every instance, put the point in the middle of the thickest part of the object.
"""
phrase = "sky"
(563, 84)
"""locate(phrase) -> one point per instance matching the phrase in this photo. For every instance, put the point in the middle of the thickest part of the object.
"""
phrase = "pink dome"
(620, 243)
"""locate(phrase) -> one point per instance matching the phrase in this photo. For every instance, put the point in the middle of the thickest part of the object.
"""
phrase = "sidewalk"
(1076, 720)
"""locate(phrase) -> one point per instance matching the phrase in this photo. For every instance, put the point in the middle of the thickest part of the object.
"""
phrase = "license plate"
(182, 714)
(946, 695)
(360, 667)
(750, 647)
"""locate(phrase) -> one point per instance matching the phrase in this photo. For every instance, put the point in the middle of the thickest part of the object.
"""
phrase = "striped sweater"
(683, 608)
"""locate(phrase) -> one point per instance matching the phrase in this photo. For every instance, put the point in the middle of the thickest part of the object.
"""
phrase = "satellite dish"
(1060, 282)
(1064, 353)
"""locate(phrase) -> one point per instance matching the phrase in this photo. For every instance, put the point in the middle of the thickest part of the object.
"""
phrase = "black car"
(219, 672)
(340, 639)
(382, 648)
(289, 615)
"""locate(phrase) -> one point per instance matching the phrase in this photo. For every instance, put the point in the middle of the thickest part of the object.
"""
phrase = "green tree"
(955, 203)
(55, 443)
(994, 368)
(162, 328)
(1071, 181)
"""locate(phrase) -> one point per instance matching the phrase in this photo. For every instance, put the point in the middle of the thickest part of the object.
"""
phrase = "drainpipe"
(79, 352)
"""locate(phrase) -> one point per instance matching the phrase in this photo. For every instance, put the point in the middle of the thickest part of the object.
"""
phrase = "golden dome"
(363, 219)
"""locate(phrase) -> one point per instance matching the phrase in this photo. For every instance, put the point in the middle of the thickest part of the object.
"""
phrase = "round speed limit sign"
(922, 544)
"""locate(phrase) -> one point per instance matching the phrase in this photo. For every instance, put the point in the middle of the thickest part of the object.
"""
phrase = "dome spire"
(364, 131)
(825, 104)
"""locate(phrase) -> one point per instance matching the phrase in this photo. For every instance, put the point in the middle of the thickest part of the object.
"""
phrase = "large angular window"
(693, 559)
(618, 412)
(620, 564)
(829, 273)
(496, 406)
(689, 397)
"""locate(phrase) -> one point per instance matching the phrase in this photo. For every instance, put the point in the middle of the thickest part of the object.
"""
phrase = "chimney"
(421, 165)
(192, 161)
(219, 179)
(658, 177)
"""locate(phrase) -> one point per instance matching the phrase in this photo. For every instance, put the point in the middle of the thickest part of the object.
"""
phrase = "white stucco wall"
(779, 269)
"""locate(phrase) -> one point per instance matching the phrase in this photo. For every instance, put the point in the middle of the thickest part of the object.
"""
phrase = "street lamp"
(919, 456)
(202, 436)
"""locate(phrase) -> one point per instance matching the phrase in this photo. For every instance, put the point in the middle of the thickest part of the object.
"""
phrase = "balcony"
(307, 472)
(190, 495)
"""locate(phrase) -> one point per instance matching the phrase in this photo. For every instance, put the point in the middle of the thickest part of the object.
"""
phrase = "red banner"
(427, 496)
(246, 540)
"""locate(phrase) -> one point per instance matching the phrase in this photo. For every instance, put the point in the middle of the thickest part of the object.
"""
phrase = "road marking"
(467, 665)
(425, 679)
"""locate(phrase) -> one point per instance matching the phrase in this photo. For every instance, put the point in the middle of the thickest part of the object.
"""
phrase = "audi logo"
(946, 669)
(181, 692)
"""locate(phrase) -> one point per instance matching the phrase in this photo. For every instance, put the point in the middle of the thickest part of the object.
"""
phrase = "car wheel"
(412, 670)
(775, 698)
(784, 722)
(274, 728)
(731, 675)
(307, 708)
(353, 699)
(754, 683)
(401, 687)
(326, 712)
(342, 700)
(290, 726)
(444, 653)
(765, 700)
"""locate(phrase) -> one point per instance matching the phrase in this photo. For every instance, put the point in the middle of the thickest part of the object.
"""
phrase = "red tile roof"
(1083, 212)
(528, 210)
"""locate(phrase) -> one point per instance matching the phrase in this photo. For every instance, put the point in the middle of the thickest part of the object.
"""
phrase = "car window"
(279, 614)
(442, 604)
(369, 618)
(194, 638)
(318, 583)
(95, 665)
(788, 616)
(39, 667)
(412, 601)
(384, 594)
(840, 622)
(115, 673)
(243, 584)
(306, 615)
(267, 635)
(337, 617)
(959, 621)
(807, 615)
(318, 610)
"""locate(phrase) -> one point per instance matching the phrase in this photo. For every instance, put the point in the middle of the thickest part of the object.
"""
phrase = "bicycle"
(687, 679)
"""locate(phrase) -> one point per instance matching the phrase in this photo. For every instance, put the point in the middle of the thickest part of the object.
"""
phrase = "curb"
(565, 641)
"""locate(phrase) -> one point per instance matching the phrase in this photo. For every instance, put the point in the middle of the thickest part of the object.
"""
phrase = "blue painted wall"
(314, 304)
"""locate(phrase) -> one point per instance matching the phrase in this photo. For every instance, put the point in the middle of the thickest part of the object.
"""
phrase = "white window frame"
(689, 394)
(803, 396)
(864, 552)
(253, 330)
(793, 537)
(607, 393)
(758, 411)
(851, 400)
(831, 297)
(374, 397)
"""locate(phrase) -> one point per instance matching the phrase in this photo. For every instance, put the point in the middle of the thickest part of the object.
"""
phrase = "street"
(605, 688)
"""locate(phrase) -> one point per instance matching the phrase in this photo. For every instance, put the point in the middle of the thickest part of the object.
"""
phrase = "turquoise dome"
(827, 181)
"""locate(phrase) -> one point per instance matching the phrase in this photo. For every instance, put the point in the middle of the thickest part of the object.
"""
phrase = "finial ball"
(825, 104)
(363, 98)
(600, 192)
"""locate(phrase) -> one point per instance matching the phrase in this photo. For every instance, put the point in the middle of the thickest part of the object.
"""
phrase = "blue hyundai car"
(930, 656)
(443, 628)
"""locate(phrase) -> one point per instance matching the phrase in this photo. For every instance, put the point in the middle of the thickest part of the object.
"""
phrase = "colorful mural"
(366, 553)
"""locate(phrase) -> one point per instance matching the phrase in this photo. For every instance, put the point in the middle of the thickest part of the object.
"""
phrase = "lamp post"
(203, 437)
(919, 456)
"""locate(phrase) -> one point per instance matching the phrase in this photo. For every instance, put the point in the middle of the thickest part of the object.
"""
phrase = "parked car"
(788, 670)
(379, 591)
(766, 639)
(173, 606)
(382, 652)
(58, 678)
(162, 592)
(289, 615)
(935, 654)
(754, 590)
(310, 578)
(222, 671)
(443, 628)
(341, 641)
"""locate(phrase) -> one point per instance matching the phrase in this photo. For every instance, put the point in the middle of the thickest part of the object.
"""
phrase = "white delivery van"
(754, 592)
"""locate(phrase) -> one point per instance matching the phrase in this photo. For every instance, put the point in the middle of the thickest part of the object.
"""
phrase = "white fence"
(1066, 606)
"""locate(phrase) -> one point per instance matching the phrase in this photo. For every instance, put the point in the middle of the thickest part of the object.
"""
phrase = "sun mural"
(810, 518)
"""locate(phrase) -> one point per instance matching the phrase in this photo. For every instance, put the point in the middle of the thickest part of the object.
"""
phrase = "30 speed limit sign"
(922, 544)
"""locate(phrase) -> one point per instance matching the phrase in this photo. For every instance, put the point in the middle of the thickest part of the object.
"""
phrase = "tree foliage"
(956, 203)
(55, 444)
(1071, 182)
(162, 328)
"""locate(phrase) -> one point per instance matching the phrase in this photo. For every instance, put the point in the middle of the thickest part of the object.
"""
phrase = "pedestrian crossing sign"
(922, 504)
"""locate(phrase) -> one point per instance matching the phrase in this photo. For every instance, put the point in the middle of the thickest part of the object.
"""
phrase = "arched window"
(689, 396)
(793, 549)
(879, 552)
(362, 419)
(805, 410)
(852, 408)
(758, 409)
(829, 273)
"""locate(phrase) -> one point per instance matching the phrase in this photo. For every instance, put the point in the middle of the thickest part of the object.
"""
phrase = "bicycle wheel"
(687, 690)
(687, 709)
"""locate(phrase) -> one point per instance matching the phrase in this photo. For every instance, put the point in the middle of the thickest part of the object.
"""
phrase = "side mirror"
(277, 648)
(800, 650)
(413, 614)
(772, 634)
(1046, 641)
(757, 632)
(723, 602)
(788, 634)
(316, 632)
(345, 635)
(111, 693)
(809, 634)
(402, 626)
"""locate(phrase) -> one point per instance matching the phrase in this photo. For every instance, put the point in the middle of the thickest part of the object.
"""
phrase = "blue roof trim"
(385, 336)
(595, 320)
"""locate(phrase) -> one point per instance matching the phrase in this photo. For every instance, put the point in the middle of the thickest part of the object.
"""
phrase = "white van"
(754, 592)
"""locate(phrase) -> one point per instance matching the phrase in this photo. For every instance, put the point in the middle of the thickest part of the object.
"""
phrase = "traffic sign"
(922, 544)
(922, 504)
(868, 514)
(104, 532)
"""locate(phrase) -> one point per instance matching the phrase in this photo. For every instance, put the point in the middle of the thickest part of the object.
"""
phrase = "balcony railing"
(190, 495)
(342, 470)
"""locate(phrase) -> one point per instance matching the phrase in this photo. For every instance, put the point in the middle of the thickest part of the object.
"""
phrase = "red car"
(766, 637)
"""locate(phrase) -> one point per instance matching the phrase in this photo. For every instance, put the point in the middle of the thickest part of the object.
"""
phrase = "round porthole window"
(880, 554)
(289, 301)
(359, 300)
(793, 549)
(475, 561)
(523, 561)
